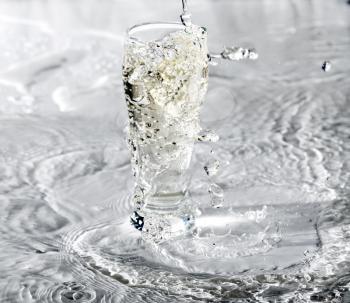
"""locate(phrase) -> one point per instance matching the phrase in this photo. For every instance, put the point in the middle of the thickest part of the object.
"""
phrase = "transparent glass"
(165, 75)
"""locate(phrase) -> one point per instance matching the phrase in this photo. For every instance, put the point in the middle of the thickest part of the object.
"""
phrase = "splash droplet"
(237, 53)
(326, 66)
(208, 136)
(216, 195)
(211, 168)
(252, 54)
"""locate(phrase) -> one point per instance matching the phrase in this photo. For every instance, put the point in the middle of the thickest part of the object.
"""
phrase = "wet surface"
(66, 181)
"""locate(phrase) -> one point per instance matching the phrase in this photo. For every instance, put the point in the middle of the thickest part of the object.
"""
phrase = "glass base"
(166, 217)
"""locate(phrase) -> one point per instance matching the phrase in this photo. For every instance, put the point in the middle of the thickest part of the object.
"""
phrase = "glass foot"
(158, 227)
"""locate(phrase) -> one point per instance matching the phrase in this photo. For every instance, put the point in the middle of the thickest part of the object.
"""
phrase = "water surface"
(65, 177)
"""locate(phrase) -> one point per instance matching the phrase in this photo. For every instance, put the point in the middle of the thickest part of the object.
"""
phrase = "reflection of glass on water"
(165, 77)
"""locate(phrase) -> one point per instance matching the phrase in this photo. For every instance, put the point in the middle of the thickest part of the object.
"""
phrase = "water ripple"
(65, 180)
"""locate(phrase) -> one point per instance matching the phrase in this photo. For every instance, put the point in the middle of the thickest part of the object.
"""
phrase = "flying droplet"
(216, 195)
(213, 63)
(326, 66)
(208, 136)
(252, 54)
(237, 53)
(211, 168)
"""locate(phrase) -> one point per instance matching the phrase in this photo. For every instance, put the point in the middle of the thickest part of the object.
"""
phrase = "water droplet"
(211, 168)
(237, 53)
(326, 66)
(213, 63)
(216, 195)
(208, 136)
(252, 54)
(234, 53)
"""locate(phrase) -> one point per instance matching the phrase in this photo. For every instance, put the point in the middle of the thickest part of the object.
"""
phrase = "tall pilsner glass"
(165, 75)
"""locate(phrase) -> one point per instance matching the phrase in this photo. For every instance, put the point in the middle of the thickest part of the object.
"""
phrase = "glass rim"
(151, 25)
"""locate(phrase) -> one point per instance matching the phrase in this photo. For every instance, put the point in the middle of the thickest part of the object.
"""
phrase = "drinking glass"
(165, 76)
